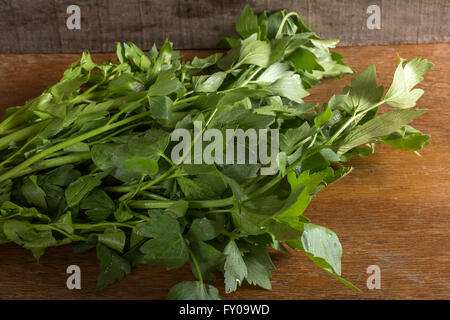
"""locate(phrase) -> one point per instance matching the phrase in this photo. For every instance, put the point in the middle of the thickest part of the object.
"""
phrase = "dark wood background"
(393, 210)
(39, 26)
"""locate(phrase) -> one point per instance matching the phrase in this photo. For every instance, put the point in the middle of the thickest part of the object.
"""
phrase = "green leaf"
(235, 268)
(134, 53)
(112, 156)
(208, 83)
(304, 60)
(23, 233)
(86, 61)
(19, 231)
(81, 187)
(259, 265)
(330, 155)
(322, 245)
(193, 290)
(204, 229)
(378, 127)
(161, 107)
(407, 138)
(281, 163)
(247, 23)
(179, 208)
(125, 84)
(141, 165)
(168, 245)
(203, 63)
(33, 193)
(364, 91)
(289, 86)
(123, 213)
(114, 239)
(98, 205)
(302, 187)
(113, 267)
(292, 136)
(38, 245)
(323, 117)
(66, 87)
(160, 61)
(239, 94)
(274, 72)
(5, 191)
(401, 93)
(254, 52)
(230, 58)
(282, 231)
(64, 222)
(10, 208)
(165, 84)
(133, 156)
(200, 188)
(151, 144)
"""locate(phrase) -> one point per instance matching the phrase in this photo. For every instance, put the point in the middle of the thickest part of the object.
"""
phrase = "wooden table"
(392, 211)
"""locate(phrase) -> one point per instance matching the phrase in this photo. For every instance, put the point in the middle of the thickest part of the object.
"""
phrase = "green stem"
(280, 29)
(68, 235)
(185, 100)
(17, 118)
(141, 216)
(147, 185)
(220, 211)
(153, 196)
(85, 95)
(230, 234)
(150, 204)
(22, 134)
(199, 204)
(274, 181)
(163, 204)
(18, 151)
(313, 140)
(138, 188)
(124, 189)
(115, 133)
(9, 217)
(168, 159)
(54, 162)
(24, 165)
(86, 226)
(117, 115)
(298, 145)
(194, 260)
(243, 84)
(350, 121)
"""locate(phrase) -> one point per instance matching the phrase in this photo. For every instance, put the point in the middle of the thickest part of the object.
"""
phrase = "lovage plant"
(88, 162)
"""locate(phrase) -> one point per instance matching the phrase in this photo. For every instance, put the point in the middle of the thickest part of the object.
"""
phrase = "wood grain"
(39, 26)
(393, 210)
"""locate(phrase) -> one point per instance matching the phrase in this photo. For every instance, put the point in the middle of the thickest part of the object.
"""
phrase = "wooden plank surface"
(39, 26)
(393, 210)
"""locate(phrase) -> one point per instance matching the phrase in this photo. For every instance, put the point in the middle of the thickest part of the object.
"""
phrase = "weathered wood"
(392, 210)
(39, 26)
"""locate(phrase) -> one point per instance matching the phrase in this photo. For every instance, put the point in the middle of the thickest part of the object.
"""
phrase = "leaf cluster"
(87, 162)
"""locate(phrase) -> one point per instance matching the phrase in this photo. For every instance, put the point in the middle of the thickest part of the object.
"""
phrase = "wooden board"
(39, 26)
(393, 210)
